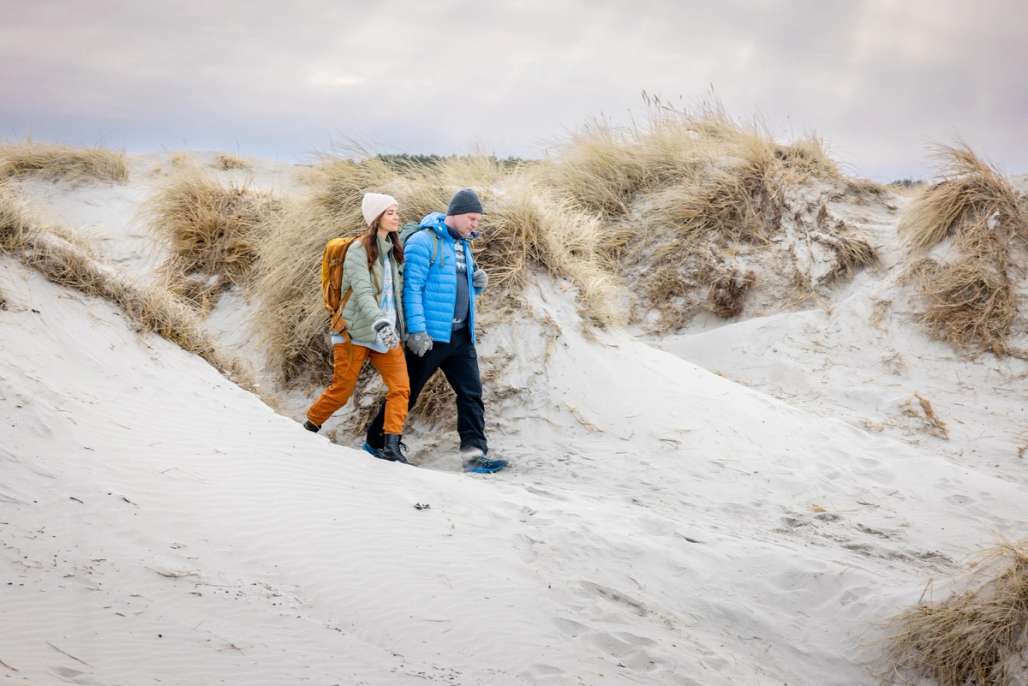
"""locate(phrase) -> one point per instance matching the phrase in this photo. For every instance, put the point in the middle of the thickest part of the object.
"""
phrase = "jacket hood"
(437, 222)
(434, 220)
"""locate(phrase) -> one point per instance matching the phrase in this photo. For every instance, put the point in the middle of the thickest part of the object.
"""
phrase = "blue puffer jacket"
(430, 293)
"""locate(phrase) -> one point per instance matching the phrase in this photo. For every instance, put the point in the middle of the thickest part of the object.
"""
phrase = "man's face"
(466, 223)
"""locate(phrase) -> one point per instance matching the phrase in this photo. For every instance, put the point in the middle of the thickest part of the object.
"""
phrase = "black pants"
(459, 363)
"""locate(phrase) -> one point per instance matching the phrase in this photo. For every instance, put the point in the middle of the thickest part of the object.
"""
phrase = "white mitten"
(386, 334)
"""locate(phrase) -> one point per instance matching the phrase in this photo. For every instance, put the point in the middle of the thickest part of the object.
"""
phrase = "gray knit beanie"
(463, 202)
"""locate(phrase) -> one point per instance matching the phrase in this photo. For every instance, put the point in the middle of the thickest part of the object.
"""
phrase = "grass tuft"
(16, 227)
(742, 201)
(727, 291)
(61, 163)
(962, 202)
(213, 231)
(807, 156)
(605, 168)
(226, 162)
(971, 638)
(971, 297)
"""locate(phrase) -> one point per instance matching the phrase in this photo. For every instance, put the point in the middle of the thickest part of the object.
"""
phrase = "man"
(440, 284)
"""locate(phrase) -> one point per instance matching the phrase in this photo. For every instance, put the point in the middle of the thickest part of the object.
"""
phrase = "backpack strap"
(337, 323)
(435, 249)
(412, 229)
(435, 246)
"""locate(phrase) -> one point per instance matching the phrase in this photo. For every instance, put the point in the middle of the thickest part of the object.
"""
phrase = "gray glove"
(419, 343)
(480, 279)
(385, 333)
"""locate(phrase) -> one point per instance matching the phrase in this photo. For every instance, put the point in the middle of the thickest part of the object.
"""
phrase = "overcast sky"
(878, 80)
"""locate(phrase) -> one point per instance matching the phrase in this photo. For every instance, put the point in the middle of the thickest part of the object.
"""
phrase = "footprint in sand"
(540, 671)
(570, 627)
(630, 654)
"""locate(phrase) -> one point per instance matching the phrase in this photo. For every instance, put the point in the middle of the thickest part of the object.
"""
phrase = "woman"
(374, 324)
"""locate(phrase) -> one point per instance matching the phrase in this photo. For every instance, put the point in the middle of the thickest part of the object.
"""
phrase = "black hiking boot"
(311, 426)
(393, 449)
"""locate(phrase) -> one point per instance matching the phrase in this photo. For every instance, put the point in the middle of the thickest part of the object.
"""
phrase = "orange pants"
(347, 360)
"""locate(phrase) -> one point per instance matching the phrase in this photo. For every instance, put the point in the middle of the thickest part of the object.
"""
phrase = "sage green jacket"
(362, 310)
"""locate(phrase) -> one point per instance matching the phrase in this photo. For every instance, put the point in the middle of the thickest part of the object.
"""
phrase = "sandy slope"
(661, 523)
(217, 539)
(865, 358)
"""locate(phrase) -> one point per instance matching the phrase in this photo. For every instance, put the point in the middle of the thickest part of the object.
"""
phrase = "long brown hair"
(371, 243)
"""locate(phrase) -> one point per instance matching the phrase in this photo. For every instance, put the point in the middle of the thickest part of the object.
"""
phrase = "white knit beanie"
(375, 204)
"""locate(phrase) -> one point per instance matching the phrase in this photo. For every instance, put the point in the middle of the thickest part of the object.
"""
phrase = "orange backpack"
(332, 280)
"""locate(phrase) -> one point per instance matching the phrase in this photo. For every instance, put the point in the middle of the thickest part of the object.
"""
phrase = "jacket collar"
(385, 246)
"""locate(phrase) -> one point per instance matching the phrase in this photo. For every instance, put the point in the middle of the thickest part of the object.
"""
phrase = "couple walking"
(420, 292)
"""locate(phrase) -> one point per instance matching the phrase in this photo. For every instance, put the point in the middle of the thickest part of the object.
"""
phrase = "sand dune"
(740, 504)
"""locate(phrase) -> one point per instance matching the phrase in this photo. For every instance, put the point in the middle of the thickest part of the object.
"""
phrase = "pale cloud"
(323, 79)
(877, 79)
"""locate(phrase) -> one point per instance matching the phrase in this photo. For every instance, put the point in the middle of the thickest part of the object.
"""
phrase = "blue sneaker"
(372, 450)
(484, 465)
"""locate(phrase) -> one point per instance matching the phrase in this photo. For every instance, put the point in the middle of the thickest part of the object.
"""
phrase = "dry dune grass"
(604, 167)
(61, 162)
(920, 408)
(807, 157)
(182, 159)
(741, 201)
(727, 291)
(667, 286)
(704, 280)
(226, 162)
(213, 231)
(16, 228)
(339, 184)
(679, 197)
(151, 309)
(970, 302)
(865, 188)
(971, 298)
(973, 638)
(528, 227)
(970, 192)
(852, 251)
(422, 189)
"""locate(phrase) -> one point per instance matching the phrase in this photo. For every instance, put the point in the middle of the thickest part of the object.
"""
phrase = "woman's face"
(389, 221)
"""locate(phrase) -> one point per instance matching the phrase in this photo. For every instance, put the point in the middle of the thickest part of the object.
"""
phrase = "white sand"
(662, 523)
